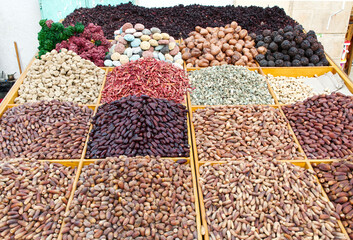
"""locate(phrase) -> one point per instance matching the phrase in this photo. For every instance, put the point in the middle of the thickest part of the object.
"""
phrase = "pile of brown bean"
(323, 125)
(33, 198)
(337, 180)
(139, 126)
(235, 133)
(266, 200)
(133, 198)
(44, 130)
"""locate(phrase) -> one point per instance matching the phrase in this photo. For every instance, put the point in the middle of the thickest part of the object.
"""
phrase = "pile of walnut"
(63, 76)
(218, 46)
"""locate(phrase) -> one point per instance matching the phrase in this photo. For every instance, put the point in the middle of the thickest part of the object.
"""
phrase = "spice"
(234, 133)
(133, 198)
(44, 130)
(179, 20)
(266, 200)
(157, 79)
(90, 45)
(323, 125)
(139, 126)
(228, 85)
(34, 197)
(337, 180)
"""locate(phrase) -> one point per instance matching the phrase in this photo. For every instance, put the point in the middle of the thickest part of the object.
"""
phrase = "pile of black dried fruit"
(179, 20)
(139, 198)
(34, 197)
(323, 125)
(44, 130)
(139, 126)
(290, 47)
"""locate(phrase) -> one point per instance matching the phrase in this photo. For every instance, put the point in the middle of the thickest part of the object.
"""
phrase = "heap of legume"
(133, 198)
(266, 200)
(44, 130)
(290, 90)
(139, 126)
(323, 125)
(157, 79)
(235, 133)
(228, 85)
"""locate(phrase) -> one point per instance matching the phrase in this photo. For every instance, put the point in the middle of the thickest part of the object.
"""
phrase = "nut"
(265, 200)
(234, 133)
(133, 198)
(33, 198)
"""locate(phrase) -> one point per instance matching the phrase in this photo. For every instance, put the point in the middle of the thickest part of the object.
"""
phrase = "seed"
(44, 130)
(264, 203)
(139, 212)
(41, 210)
(225, 132)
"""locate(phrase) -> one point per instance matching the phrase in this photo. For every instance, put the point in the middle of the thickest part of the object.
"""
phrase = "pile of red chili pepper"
(157, 79)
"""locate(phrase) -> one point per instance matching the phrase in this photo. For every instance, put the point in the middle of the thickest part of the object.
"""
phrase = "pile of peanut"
(33, 198)
(265, 200)
(64, 76)
(234, 133)
(133, 198)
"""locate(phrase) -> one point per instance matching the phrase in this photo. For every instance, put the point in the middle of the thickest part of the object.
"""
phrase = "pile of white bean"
(290, 90)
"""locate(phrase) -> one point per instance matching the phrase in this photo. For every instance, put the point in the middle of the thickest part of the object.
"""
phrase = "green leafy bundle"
(53, 33)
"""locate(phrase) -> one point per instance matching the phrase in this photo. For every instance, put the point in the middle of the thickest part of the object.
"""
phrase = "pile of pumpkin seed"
(228, 85)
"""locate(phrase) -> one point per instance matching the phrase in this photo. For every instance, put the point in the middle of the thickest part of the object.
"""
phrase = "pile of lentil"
(323, 125)
(290, 90)
(236, 133)
(179, 20)
(139, 126)
(148, 76)
(266, 200)
(44, 130)
(34, 197)
(134, 198)
(228, 85)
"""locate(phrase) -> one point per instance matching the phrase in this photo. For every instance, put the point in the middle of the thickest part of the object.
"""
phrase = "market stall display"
(222, 152)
